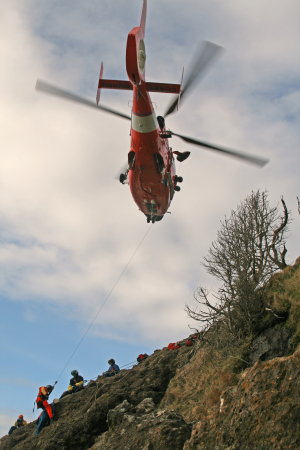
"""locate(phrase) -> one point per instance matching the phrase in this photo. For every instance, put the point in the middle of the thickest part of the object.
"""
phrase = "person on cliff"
(113, 369)
(142, 357)
(76, 384)
(191, 341)
(48, 410)
(173, 346)
(20, 422)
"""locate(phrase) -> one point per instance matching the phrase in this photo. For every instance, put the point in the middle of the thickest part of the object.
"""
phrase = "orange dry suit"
(42, 401)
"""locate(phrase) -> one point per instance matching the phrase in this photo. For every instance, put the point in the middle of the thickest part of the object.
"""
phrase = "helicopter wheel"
(178, 179)
(177, 188)
(122, 178)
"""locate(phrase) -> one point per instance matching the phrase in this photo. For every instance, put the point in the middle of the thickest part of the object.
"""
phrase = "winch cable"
(104, 302)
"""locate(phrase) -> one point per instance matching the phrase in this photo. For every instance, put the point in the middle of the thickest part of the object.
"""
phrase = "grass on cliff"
(283, 295)
(197, 386)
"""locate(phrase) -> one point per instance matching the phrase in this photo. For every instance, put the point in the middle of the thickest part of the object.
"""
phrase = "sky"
(68, 228)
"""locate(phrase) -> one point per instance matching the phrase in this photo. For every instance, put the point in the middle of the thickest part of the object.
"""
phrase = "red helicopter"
(151, 171)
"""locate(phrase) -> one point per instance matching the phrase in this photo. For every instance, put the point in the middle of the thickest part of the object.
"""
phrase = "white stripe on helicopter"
(144, 124)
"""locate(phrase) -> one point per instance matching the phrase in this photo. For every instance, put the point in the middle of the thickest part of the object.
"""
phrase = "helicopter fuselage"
(152, 173)
(150, 160)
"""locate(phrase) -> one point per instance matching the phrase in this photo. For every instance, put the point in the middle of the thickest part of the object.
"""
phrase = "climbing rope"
(125, 365)
(104, 303)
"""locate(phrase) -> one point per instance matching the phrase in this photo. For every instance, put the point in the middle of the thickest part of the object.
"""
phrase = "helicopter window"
(131, 159)
(160, 165)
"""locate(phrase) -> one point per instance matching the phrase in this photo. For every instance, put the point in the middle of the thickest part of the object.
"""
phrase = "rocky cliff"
(237, 398)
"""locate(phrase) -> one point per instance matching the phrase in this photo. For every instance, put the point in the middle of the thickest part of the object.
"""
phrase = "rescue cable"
(104, 303)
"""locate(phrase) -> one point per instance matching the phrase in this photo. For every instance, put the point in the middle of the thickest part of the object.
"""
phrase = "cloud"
(68, 228)
(17, 381)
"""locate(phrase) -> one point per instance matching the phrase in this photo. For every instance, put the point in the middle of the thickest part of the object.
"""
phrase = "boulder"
(270, 344)
(143, 428)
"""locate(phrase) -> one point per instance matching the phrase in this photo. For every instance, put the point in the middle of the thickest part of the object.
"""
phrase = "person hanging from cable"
(76, 384)
(113, 369)
(48, 410)
(20, 422)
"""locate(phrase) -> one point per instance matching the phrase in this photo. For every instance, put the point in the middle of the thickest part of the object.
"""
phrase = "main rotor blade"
(235, 153)
(53, 90)
(204, 56)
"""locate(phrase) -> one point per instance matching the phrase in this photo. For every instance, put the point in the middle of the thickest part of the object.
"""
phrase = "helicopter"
(150, 170)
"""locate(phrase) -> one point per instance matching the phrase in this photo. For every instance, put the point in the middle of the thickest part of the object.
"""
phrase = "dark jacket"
(114, 369)
(76, 380)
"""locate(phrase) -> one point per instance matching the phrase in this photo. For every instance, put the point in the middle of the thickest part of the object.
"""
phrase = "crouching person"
(113, 369)
(142, 357)
(76, 384)
(48, 410)
(20, 422)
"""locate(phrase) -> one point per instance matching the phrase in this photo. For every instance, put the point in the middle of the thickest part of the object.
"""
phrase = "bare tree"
(249, 248)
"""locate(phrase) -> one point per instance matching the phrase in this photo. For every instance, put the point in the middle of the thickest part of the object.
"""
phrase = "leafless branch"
(249, 248)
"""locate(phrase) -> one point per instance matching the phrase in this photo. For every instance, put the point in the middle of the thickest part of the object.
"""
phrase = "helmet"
(49, 388)
(21, 416)
(74, 373)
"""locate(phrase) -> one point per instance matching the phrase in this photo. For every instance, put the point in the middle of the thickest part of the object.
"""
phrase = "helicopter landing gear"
(178, 179)
(123, 176)
(182, 156)
(177, 188)
(165, 182)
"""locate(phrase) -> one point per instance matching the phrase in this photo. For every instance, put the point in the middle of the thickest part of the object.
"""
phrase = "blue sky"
(68, 228)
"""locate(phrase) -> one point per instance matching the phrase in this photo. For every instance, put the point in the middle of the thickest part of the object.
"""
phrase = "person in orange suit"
(48, 410)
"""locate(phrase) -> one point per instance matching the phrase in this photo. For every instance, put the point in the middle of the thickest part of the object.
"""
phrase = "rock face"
(82, 417)
(143, 427)
(270, 344)
(261, 413)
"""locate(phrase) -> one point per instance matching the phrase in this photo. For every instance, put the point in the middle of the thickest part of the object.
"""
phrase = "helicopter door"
(159, 162)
